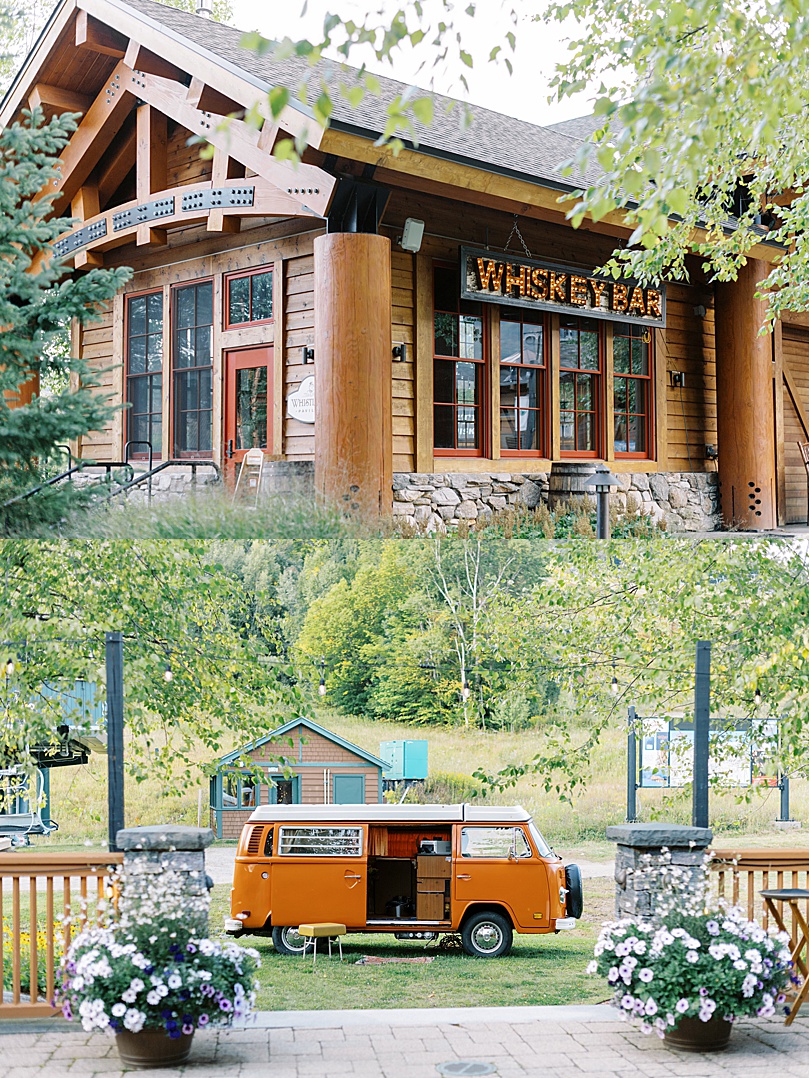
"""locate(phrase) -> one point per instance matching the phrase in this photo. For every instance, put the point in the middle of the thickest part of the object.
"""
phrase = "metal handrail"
(146, 442)
(107, 465)
(192, 464)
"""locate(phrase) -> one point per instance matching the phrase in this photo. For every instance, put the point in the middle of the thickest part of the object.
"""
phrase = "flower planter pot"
(692, 1035)
(152, 1048)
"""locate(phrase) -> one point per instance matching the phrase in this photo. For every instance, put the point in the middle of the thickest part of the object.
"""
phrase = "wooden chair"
(803, 449)
(792, 897)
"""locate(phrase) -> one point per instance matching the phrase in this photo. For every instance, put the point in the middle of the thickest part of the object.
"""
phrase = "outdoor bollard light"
(601, 482)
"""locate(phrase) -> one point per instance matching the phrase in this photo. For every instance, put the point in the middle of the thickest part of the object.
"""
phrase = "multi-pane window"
(192, 360)
(457, 369)
(632, 388)
(522, 381)
(248, 298)
(321, 841)
(579, 385)
(144, 372)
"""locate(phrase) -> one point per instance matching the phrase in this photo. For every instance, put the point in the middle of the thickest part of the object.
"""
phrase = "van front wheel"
(487, 935)
(288, 941)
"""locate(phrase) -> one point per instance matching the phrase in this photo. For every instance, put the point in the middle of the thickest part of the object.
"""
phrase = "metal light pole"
(631, 768)
(114, 645)
(783, 786)
(702, 723)
(601, 482)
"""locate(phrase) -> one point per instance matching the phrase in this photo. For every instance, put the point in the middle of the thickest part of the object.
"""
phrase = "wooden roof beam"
(308, 185)
(188, 58)
(54, 99)
(98, 37)
(151, 170)
(204, 97)
(217, 220)
(96, 131)
(117, 164)
(142, 59)
(27, 78)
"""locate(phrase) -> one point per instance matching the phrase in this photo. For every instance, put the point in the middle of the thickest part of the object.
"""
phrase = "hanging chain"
(515, 231)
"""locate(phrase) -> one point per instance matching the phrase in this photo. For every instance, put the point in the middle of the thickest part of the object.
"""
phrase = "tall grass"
(78, 794)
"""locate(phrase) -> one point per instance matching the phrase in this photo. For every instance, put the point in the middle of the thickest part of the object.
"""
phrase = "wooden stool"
(792, 896)
(322, 930)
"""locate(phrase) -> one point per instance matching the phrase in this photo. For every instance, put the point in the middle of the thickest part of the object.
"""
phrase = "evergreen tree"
(38, 300)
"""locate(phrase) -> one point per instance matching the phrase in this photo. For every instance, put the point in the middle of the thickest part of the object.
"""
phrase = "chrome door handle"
(348, 876)
(463, 877)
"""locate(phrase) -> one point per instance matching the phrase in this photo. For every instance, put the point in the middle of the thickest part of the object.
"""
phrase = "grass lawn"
(540, 969)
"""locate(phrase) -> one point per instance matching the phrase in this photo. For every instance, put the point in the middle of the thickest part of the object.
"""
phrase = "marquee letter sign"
(521, 282)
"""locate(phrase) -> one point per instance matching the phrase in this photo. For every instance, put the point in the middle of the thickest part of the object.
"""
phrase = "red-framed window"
(192, 367)
(249, 297)
(459, 363)
(523, 382)
(144, 372)
(632, 362)
(581, 363)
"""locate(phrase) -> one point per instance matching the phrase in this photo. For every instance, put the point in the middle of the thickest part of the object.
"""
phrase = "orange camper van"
(414, 870)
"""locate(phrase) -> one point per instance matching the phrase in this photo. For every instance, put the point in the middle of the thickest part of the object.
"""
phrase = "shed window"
(144, 372)
(458, 366)
(522, 381)
(632, 382)
(239, 791)
(248, 298)
(320, 841)
(494, 842)
(192, 359)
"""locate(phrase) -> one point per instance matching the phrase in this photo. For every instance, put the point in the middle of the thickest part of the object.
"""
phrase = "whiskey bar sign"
(521, 282)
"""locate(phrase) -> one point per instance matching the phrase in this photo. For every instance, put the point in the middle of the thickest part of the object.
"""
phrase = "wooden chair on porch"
(803, 448)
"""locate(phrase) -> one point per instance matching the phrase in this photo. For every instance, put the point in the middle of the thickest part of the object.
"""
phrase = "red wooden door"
(248, 402)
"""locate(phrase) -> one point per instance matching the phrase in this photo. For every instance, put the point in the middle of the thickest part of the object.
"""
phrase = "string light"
(614, 684)
(167, 673)
(466, 692)
(9, 668)
(757, 696)
(321, 689)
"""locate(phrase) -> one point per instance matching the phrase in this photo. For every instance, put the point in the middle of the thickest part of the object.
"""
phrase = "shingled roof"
(492, 141)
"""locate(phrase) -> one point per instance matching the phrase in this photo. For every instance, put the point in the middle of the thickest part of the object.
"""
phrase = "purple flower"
(191, 948)
(187, 1028)
(703, 991)
(174, 1034)
(225, 1005)
(203, 1020)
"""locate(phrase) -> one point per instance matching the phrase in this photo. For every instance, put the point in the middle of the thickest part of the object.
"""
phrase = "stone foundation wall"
(682, 501)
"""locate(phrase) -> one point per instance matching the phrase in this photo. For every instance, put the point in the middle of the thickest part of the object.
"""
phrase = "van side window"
(268, 843)
(320, 841)
(494, 842)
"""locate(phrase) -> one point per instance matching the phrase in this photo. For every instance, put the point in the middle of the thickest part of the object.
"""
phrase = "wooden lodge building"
(375, 320)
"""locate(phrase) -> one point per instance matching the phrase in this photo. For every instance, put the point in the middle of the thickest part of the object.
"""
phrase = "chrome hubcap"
(293, 939)
(487, 937)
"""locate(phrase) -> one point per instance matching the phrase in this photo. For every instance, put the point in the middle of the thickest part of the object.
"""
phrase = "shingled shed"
(371, 322)
(302, 764)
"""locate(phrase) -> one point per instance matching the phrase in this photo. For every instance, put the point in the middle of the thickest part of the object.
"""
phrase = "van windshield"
(541, 844)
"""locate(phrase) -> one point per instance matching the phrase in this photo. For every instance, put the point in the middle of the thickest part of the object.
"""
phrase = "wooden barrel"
(566, 483)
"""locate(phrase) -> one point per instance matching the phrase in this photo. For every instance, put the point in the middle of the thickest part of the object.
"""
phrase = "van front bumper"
(233, 927)
(564, 923)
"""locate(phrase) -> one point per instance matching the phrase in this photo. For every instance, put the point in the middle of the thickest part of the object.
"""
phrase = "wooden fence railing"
(44, 897)
(743, 874)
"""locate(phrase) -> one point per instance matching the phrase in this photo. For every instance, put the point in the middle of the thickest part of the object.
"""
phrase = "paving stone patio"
(541, 1041)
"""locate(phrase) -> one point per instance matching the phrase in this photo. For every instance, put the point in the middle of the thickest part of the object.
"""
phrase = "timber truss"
(198, 91)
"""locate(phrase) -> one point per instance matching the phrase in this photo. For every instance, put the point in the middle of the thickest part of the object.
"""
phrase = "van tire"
(285, 940)
(574, 905)
(487, 934)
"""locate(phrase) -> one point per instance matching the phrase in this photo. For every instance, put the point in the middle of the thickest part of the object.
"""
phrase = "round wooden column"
(744, 398)
(353, 377)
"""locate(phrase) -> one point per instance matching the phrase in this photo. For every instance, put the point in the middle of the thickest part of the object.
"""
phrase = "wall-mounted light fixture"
(412, 235)
(677, 379)
(711, 452)
(308, 354)
(700, 311)
(400, 352)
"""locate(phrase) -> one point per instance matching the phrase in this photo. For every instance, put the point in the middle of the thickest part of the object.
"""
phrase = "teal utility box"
(406, 760)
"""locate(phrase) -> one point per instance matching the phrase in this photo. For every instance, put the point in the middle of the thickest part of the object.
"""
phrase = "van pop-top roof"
(390, 814)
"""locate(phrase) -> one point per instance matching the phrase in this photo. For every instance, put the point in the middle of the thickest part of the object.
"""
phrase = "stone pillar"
(640, 847)
(353, 372)
(744, 399)
(179, 850)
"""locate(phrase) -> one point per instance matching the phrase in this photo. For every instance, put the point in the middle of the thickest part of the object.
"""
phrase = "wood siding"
(796, 363)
